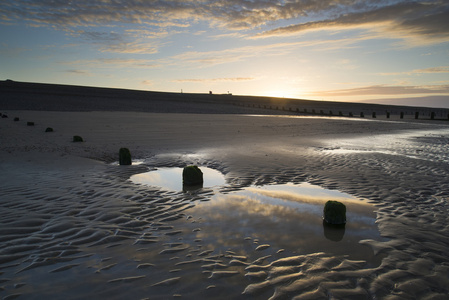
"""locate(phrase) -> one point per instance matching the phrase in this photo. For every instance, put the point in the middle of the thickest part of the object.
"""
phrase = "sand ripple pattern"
(94, 234)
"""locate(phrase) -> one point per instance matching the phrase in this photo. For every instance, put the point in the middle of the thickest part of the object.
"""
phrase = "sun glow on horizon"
(334, 54)
(282, 93)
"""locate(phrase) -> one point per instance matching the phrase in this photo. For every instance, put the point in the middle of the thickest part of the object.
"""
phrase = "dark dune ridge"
(54, 97)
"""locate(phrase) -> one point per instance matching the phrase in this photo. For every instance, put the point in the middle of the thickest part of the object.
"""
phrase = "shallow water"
(287, 216)
(284, 216)
(171, 178)
(427, 145)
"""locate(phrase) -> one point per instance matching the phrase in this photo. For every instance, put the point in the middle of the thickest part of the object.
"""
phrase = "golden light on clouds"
(292, 49)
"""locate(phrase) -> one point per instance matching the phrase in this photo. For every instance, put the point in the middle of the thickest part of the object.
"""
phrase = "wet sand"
(74, 226)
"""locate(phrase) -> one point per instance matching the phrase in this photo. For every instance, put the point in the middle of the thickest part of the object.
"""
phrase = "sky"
(339, 50)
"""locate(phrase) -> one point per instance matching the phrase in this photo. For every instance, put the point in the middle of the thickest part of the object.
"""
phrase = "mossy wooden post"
(402, 115)
(334, 213)
(432, 115)
(362, 115)
(417, 115)
(192, 175)
(388, 115)
(124, 156)
(374, 114)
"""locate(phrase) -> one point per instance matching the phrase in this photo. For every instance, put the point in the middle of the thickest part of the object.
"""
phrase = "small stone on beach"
(77, 139)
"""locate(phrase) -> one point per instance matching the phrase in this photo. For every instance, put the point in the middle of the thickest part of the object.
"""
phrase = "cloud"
(9, 51)
(78, 72)
(231, 55)
(386, 90)
(433, 70)
(236, 14)
(235, 79)
(118, 43)
(147, 82)
(113, 63)
(416, 23)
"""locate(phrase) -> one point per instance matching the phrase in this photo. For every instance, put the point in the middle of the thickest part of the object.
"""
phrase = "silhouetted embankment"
(53, 97)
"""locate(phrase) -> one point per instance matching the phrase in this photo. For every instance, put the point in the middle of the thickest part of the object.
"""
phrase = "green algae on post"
(334, 212)
(125, 156)
(192, 175)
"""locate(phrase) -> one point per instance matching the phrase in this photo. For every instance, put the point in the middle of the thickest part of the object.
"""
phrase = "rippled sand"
(74, 226)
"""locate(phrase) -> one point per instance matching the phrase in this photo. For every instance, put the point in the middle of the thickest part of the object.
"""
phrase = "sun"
(281, 93)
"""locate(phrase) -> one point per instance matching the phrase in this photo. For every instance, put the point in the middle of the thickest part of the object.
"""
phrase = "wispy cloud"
(147, 82)
(9, 51)
(386, 90)
(413, 22)
(215, 79)
(433, 70)
(428, 17)
(235, 14)
(78, 72)
(113, 63)
(229, 55)
(115, 42)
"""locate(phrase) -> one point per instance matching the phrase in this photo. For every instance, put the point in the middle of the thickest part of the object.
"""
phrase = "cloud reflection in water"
(171, 178)
(287, 217)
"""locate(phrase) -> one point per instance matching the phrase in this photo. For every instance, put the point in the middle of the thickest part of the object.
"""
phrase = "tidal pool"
(171, 178)
(288, 217)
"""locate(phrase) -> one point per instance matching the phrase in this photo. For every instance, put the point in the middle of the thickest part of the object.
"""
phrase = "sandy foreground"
(74, 226)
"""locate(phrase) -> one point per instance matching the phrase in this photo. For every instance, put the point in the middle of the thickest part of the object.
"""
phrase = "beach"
(73, 224)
